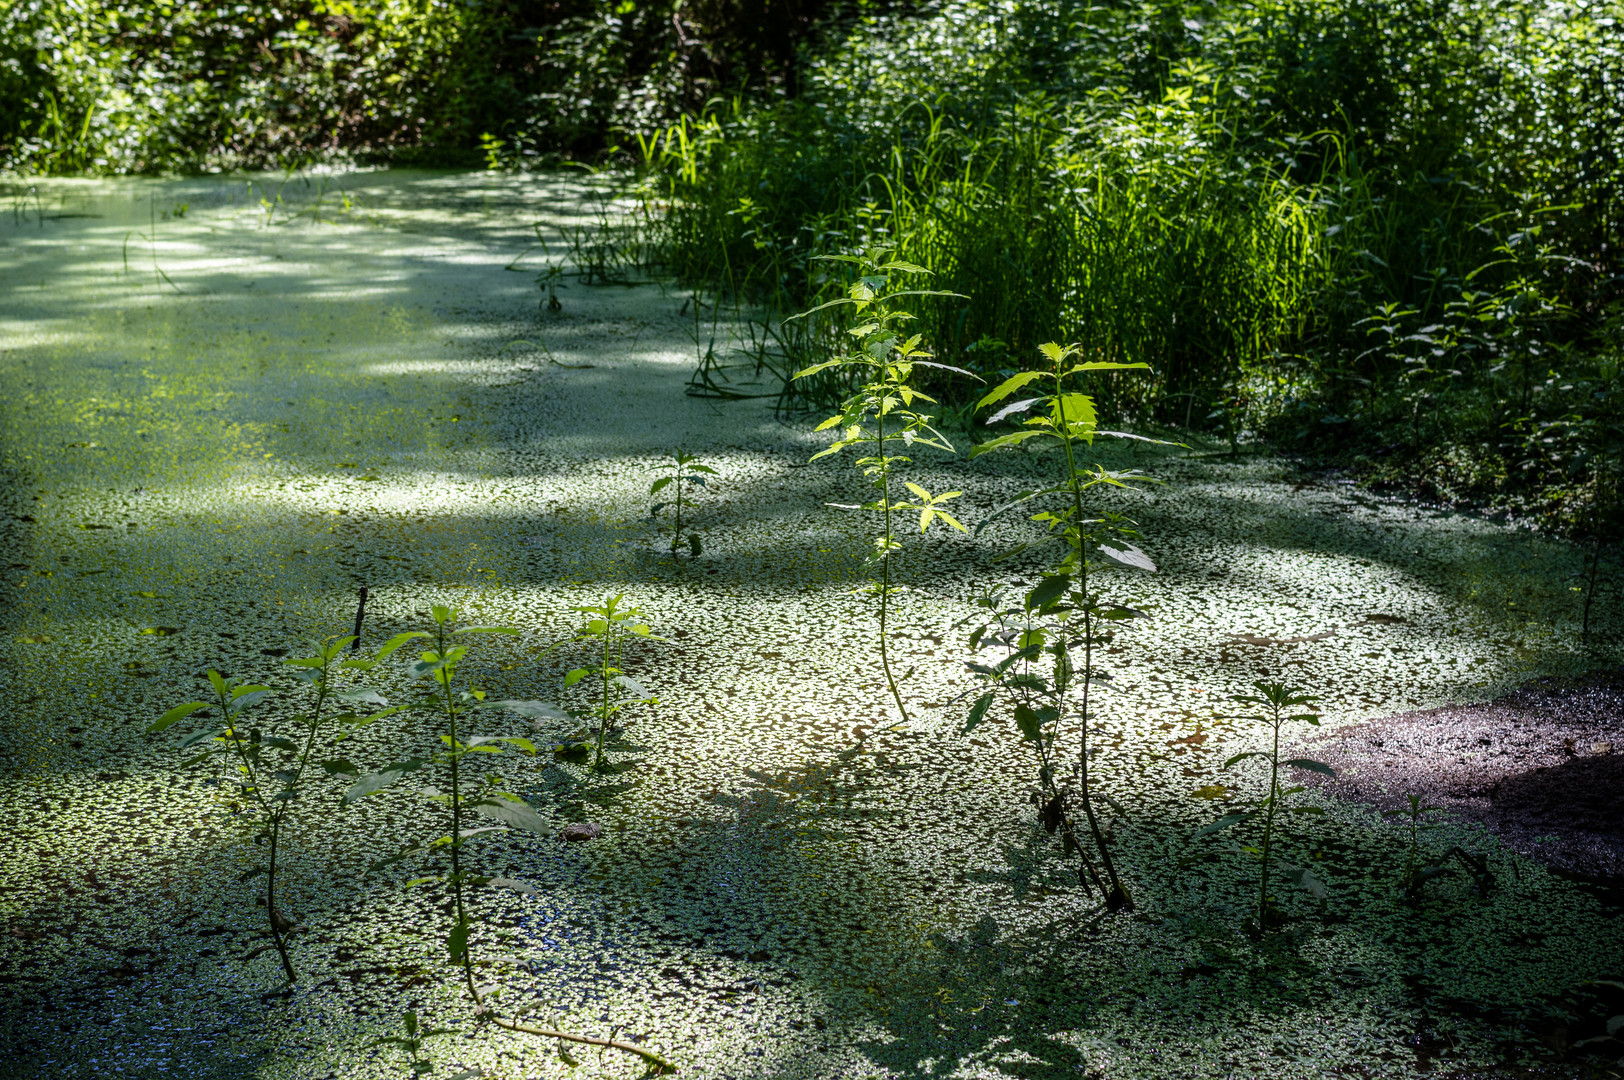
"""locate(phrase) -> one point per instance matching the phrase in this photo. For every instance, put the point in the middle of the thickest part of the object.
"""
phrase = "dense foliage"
(1388, 231)
(149, 85)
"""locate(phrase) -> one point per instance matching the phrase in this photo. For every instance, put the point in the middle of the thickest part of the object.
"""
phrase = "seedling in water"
(270, 769)
(881, 413)
(611, 626)
(686, 471)
(483, 794)
(1038, 637)
(1274, 700)
(1416, 875)
(411, 1044)
(1064, 598)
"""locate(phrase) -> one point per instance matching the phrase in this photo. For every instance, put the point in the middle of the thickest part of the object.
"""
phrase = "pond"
(233, 401)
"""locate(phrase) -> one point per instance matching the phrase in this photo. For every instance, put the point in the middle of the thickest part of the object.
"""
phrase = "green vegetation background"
(1383, 233)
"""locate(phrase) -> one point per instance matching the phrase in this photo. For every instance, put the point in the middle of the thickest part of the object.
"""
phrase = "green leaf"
(1312, 766)
(1302, 878)
(1243, 757)
(396, 642)
(1048, 591)
(514, 812)
(576, 676)
(373, 783)
(523, 887)
(1009, 386)
(508, 630)
(1029, 723)
(1014, 438)
(340, 767)
(660, 485)
(535, 710)
(978, 711)
(1014, 408)
(1223, 823)
(517, 740)
(1128, 555)
(178, 713)
(457, 941)
(1100, 365)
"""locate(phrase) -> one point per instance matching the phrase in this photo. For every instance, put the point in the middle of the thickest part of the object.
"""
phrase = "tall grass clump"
(1352, 228)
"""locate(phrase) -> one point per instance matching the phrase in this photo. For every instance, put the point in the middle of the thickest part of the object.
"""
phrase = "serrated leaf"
(1223, 823)
(1009, 386)
(373, 783)
(1128, 555)
(1030, 725)
(1312, 766)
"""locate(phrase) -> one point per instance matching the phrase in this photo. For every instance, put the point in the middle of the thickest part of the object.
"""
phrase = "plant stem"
(271, 915)
(270, 907)
(456, 816)
(1117, 899)
(885, 552)
(1268, 819)
(603, 710)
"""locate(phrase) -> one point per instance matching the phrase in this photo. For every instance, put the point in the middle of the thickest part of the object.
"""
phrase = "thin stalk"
(275, 916)
(480, 1007)
(456, 817)
(277, 815)
(885, 555)
(1119, 893)
(271, 915)
(1268, 819)
(603, 708)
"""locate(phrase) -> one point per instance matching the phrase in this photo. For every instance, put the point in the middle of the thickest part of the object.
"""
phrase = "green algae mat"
(229, 403)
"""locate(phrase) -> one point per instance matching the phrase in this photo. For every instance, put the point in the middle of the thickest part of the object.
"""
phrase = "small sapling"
(1076, 620)
(882, 413)
(686, 470)
(268, 769)
(1274, 703)
(471, 789)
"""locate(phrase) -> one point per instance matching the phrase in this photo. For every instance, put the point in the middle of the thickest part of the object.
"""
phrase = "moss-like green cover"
(218, 424)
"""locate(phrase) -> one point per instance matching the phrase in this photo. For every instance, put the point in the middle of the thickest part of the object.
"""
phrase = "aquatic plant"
(610, 625)
(411, 1043)
(881, 412)
(1077, 619)
(1415, 874)
(686, 471)
(480, 792)
(1032, 678)
(267, 770)
(1274, 702)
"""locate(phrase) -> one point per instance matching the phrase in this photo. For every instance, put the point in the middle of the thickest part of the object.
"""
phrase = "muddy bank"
(1543, 767)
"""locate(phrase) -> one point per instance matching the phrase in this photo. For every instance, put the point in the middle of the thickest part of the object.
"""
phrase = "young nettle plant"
(471, 790)
(1030, 680)
(882, 414)
(609, 626)
(268, 769)
(686, 470)
(1275, 702)
(1415, 874)
(1072, 620)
